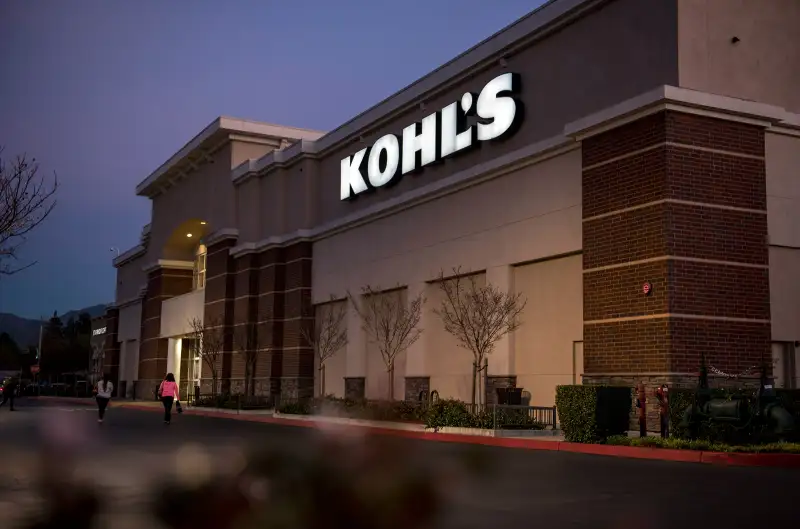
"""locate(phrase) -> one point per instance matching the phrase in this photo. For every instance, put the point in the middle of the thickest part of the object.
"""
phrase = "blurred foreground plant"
(336, 477)
(365, 482)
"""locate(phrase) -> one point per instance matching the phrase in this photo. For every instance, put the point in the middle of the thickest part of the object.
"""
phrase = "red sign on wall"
(34, 369)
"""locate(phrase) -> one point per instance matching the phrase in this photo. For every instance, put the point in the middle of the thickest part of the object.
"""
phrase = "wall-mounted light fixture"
(189, 235)
(735, 39)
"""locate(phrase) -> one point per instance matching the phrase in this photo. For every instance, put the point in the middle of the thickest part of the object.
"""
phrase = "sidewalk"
(472, 436)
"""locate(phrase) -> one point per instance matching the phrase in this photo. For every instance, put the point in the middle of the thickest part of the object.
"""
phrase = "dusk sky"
(104, 91)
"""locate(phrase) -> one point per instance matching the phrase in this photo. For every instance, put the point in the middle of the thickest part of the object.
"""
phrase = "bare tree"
(328, 336)
(208, 344)
(390, 322)
(25, 201)
(477, 316)
(246, 342)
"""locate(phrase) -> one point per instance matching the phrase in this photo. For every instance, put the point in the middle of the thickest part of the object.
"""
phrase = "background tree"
(26, 199)
(390, 322)
(328, 336)
(477, 316)
(207, 344)
(9, 353)
(246, 342)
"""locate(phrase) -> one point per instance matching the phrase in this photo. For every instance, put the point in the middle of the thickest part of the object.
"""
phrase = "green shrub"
(448, 412)
(686, 444)
(590, 414)
(296, 408)
(455, 414)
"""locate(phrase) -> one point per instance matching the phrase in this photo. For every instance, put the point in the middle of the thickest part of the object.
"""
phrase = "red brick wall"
(219, 306)
(686, 202)
(162, 284)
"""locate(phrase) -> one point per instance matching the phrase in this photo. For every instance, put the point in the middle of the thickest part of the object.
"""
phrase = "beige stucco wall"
(784, 286)
(130, 322)
(206, 194)
(528, 214)
(551, 322)
(762, 66)
(447, 363)
(783, 188)
(130, 280)
(335, 364)
(179, 311)
(783, 207)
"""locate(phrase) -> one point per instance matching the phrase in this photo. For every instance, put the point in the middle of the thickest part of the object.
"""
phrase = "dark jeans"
(102, 404)
(167, 402)
(8, 396)
(664, 426)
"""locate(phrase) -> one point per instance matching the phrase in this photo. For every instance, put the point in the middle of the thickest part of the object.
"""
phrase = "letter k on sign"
(351, 176)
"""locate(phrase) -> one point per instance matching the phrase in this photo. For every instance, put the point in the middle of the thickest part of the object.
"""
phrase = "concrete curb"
(661, 454)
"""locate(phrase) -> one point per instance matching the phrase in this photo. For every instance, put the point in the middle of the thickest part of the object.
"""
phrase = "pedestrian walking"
(103, 392)
(9, 392)
(168, 393)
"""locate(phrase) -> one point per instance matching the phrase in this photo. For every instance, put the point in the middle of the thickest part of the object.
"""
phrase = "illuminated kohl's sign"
(437, 136)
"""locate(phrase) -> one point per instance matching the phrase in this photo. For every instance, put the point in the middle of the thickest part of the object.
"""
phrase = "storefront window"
(200, 268)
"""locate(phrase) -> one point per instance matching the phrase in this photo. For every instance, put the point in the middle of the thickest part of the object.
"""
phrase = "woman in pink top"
(168, 391)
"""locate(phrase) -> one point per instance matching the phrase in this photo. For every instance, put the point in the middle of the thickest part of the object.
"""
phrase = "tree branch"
(25, 202)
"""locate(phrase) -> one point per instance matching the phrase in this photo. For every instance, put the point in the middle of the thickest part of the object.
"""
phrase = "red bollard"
(641, 404)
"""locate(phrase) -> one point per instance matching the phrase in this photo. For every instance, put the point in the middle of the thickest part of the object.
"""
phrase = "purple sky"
(104, 91)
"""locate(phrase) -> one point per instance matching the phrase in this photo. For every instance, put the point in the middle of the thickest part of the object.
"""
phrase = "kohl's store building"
(627, 167)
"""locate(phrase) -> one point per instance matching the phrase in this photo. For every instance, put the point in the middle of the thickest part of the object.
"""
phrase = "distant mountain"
(25, 331)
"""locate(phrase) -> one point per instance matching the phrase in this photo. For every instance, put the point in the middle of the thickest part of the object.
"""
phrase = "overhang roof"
(217, 131)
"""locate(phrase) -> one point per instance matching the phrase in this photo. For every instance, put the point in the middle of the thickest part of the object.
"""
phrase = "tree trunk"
(391, 382)
(322, 380)
(474, 375)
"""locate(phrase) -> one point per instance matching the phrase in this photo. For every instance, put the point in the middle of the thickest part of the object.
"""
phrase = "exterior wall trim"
(221, 235)
(129, 255)
(224, 123)
(166, 263)
(668, 97)
(532, 154)
(126, 302)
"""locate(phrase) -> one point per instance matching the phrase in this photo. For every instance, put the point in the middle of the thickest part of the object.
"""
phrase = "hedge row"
(699, 444)
(590, 414)
(444, 413)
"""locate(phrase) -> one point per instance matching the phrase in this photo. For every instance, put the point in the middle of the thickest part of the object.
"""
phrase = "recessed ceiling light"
(188, 234)
(202, 222)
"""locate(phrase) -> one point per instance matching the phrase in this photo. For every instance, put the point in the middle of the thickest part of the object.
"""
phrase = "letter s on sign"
(503, 109)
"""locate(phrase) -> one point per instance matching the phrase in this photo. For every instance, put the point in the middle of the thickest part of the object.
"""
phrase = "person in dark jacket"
(9, 391)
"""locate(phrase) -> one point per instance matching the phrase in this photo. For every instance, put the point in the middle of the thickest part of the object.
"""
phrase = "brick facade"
(162, 284)
(218, 316)
(679, 201)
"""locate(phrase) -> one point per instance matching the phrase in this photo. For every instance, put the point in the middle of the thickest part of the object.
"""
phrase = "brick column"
(245, 329)
(676, 200)
(219, 303)
(111, 347)
(271, 281)
(298, 356)
(162, 284)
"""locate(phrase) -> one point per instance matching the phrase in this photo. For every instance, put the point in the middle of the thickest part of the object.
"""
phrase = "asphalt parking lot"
(525, 488)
